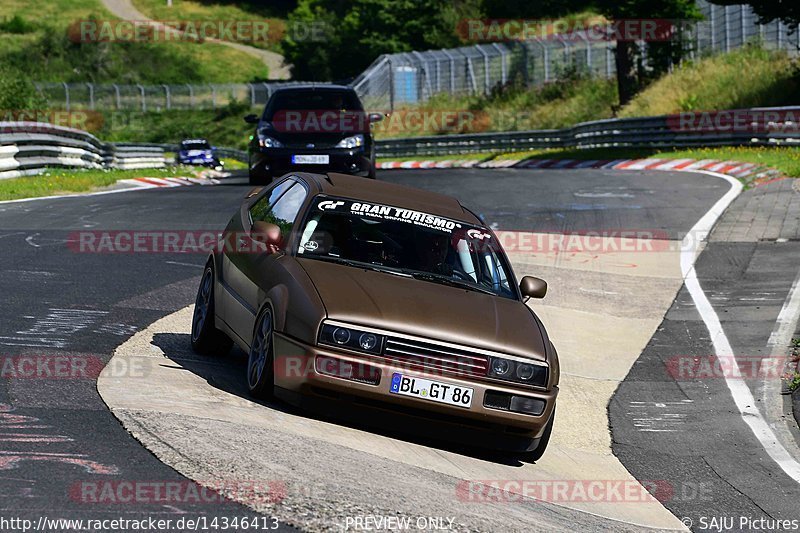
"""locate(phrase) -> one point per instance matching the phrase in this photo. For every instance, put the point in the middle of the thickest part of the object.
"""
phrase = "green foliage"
(16, 24)
(222, 127)
(17, 92)
(361, 30)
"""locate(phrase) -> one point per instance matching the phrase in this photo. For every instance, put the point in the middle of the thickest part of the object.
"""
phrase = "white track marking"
(742, 396)
(778, 346)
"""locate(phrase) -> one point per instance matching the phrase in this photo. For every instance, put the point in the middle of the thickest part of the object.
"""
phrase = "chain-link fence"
(407, 79)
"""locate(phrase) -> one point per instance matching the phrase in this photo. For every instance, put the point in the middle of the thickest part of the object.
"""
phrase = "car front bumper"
(298, 381)
(278, 161)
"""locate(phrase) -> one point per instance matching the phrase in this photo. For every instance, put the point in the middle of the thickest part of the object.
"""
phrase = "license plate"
(310, 159)
(434, 391)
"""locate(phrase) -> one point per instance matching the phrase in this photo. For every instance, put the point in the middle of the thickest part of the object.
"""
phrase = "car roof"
(382, 192)
(312, 87)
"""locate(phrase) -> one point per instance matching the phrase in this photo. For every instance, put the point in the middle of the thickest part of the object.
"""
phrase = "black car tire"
(206, 338)
(260, 361)
(535, 454)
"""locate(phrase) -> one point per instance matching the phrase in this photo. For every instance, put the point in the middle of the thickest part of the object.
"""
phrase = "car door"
(242, 263)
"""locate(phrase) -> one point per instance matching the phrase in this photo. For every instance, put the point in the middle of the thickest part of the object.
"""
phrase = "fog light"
(531, 406)
(368, 341)
(341, 336)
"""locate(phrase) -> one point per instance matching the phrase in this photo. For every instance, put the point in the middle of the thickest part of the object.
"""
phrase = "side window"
(282, 212)
(261, 209)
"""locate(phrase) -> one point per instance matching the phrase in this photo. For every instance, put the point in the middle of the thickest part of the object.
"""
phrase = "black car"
(312, 128)
(197, 152)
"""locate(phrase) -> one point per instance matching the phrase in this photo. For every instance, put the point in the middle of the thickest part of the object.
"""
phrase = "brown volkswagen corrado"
(401, 300)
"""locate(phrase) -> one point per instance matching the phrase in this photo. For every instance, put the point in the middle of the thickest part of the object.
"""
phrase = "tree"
(787, 11)
(355, 32)
(626, 52)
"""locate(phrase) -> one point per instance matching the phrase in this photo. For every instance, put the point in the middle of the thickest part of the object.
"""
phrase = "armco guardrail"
(749, 127)
(28, 148)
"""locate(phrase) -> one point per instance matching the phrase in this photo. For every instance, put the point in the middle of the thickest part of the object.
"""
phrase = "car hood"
(426, 309)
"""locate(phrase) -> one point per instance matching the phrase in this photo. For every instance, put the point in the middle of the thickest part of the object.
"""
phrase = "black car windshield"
(405, 242)
(313, 100)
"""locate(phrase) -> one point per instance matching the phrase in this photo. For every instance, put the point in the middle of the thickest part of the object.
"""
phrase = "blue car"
(197, 152)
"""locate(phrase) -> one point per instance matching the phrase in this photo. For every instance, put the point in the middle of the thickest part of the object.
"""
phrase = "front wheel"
(260, 369)
(206, 338)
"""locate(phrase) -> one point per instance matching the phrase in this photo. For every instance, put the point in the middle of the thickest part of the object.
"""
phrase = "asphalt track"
(61, 434)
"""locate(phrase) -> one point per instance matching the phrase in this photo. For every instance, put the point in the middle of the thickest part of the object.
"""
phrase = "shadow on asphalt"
(227, 373)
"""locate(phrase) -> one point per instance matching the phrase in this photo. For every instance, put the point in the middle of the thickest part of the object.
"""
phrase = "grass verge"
(55, 181)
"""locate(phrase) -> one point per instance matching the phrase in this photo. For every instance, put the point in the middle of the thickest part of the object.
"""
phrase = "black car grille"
(426, 355)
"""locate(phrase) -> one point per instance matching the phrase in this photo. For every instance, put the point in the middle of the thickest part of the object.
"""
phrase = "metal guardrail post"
(486, 82)
(117, 98)
(191, 95)
(252, 95)
(167, 95)
(452, 70)
(213, 96)
(66, 95)
(144, 102)
(727, 27)
(91, 96)
(391, 85)
(503, 62)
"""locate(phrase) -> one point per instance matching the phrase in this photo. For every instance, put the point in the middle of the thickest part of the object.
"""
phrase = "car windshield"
(405, 242)
(195, 145)
(313, 101)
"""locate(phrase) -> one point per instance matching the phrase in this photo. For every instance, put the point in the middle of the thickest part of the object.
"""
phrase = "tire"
(537, 453)
(206, 338)
(372, 174)
(260, 365)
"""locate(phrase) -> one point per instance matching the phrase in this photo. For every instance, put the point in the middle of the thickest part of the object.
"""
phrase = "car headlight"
(517, 371)
(350, 338)
(265, 141)
(351, 142)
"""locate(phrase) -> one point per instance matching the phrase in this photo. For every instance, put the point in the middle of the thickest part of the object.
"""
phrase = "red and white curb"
(446, 163)
(755, 174)
(150, 183)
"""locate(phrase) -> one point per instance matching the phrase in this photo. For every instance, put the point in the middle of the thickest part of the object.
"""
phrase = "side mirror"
(532, 287)
(375, 117)
(267, 234)
(251, 119)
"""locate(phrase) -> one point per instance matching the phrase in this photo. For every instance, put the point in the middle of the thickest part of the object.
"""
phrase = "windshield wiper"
(444, 280)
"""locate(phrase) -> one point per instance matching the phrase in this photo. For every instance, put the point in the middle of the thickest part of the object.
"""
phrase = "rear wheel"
(260, 366)
(206, 338)
(536, 454)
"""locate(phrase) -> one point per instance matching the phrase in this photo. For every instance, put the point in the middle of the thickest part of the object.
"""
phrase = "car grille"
(435, 356)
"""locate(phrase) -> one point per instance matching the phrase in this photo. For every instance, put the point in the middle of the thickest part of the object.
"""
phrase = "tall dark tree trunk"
(627, 81)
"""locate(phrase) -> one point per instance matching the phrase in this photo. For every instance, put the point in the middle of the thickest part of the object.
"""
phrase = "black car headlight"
(265, 141)
(351, 142)
(517, 371)
(351, 338)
